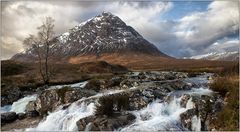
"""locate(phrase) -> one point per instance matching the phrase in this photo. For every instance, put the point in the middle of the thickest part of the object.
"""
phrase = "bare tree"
(41, 46)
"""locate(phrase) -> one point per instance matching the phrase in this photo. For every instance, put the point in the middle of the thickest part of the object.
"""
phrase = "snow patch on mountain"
(227, 56)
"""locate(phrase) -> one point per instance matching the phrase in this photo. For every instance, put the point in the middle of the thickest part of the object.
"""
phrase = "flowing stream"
(19, 106)
(158, 115)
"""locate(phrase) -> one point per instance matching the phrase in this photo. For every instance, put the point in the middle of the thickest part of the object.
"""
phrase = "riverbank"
(228, 87)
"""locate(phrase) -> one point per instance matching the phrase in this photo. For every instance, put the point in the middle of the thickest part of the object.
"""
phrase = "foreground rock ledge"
(105, 123)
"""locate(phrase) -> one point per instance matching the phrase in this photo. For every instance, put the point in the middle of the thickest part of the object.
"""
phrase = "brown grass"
(138, 62)
(27, 75)
(228, 86)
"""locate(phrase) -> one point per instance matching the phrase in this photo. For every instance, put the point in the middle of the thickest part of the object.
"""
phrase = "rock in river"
(8, 117)
(105, 123)
(49, 100)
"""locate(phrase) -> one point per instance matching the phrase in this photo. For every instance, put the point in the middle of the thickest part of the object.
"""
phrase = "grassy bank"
(26, 76)
(227, 84)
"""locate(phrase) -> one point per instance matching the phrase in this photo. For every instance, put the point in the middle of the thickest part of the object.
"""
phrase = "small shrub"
(111, 103)
(105, 106)
(220, 85)
(93, 84)
(122, 102)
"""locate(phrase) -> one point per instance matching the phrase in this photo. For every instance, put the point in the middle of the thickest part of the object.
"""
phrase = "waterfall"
(65, 120)
(157, 116)
(190, 104)
(19, 106)
(160, 116)
(196, 123)
(75, 85)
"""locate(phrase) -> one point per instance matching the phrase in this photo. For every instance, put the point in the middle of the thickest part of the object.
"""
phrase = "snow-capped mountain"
(226, 56)
(105, 33)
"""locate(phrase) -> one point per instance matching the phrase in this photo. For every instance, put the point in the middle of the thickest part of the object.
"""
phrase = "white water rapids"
(20, 105)
(156, 116)
(75, 85)
(159, 115)
(65, 120)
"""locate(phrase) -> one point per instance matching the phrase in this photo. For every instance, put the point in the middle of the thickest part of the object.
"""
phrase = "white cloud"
(201, 29)
(145, 19)
(22, 18)
(193, 34)
(225, 45)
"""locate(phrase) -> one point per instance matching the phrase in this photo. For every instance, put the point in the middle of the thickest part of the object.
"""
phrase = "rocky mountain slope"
(225, 56)
(102, 34)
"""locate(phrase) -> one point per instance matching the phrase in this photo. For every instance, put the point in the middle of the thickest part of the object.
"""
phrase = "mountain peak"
(104, 33)
(104, 13)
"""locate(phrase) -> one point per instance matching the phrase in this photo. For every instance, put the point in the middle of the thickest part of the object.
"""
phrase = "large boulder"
(21, 116)
(10, 94)
(205, 108)
(173, 85)
(125, 84)
(49, 100)
(186, 118)
(105, 123)
(8, 117)
(74, 95)
(184, 100)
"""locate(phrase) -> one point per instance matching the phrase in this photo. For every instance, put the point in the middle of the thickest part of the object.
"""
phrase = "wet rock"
(10, 94)
(205, 106)
(33, 113)
(49, 100)
(42, 88)
(159, 94)
(8, 117)
(31, 106)
(21, 116)
(137, 103)
(184, 100)
(95, 84)
(115, 81)
(180, 85)
(74, 95)
(147, 93)
(125, 84)
(145, 116)
(218, 105)
(105, 123)
(186, 118)
(32, 110)
(169, 76)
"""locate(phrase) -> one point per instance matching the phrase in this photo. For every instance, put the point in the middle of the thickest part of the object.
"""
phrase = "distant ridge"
(224, 56)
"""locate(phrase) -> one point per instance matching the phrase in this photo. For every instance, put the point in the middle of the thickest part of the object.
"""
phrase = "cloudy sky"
(178, 28)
